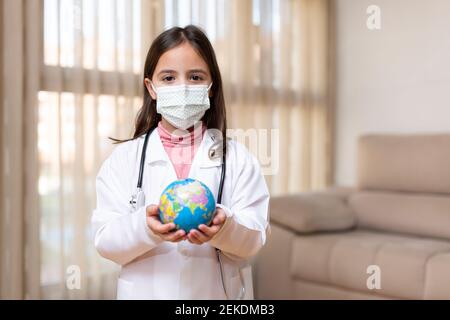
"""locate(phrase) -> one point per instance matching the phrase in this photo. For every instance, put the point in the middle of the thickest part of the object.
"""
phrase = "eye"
(196, 77)
(168, 78)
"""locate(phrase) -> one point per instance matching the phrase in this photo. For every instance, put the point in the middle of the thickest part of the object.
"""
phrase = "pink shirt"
(181, 149)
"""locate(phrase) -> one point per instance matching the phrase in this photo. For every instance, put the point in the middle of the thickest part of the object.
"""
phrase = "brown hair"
(215, 117)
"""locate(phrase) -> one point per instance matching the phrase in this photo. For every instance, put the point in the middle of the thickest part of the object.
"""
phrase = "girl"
(183, 116)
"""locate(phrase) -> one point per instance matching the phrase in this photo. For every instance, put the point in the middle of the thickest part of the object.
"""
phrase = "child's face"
(180, 65)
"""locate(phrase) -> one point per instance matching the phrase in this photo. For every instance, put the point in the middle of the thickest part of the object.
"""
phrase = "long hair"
(215, 117)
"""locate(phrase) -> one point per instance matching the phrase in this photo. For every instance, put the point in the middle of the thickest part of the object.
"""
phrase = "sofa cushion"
(437, 277)
(417, 163)
(418, 214)
(306, 290)
(313, 211)
(409, 266)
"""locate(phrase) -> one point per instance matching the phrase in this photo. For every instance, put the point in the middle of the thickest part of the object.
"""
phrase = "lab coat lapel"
(205, 168)
(159, 171)
(203, 159)
(155, 150)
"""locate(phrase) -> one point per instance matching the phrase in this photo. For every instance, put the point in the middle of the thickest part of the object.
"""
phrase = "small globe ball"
(187, 203)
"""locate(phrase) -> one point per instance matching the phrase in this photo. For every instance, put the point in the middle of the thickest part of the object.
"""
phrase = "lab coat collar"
(156, 151)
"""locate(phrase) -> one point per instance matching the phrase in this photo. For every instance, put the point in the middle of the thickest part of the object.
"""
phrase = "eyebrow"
(174, 71)
(166, 71)
(198, 71)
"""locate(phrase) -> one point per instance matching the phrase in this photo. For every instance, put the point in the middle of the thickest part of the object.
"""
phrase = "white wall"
(396, 79)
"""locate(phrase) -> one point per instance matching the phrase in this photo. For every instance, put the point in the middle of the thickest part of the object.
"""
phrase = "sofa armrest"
(311, 212)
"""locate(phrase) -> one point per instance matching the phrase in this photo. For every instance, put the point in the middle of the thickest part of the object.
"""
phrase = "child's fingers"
(179, 239)
(193, 239)
(158, 227)
(173, 236)
(200, 236)
(218, 220)
(210, 231)
(152, 210)
(163, 228)
(219, 217)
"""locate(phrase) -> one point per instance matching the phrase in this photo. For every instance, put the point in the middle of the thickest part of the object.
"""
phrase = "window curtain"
(19, 82)
(71, 77)
(91, 90)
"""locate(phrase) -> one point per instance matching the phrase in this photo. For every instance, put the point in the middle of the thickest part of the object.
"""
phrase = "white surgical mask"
(182, 105)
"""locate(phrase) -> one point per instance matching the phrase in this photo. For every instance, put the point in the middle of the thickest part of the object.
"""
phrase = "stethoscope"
(138, 200)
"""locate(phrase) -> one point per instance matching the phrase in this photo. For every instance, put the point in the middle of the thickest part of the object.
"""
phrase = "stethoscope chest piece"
(137, 199)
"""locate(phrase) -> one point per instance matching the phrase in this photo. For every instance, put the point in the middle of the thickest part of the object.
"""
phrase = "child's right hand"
(164, 230)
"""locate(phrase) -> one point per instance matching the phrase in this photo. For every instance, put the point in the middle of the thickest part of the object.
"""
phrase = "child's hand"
(207, 233)
(164, 231)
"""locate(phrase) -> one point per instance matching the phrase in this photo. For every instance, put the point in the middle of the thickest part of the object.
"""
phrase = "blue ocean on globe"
(187, 203)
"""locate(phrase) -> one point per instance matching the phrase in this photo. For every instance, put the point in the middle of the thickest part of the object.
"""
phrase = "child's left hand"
(205, 233)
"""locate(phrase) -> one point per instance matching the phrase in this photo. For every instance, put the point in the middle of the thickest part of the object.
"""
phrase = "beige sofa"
(391, 233)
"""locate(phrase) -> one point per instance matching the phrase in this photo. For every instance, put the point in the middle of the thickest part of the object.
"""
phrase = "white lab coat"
(156, 269)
